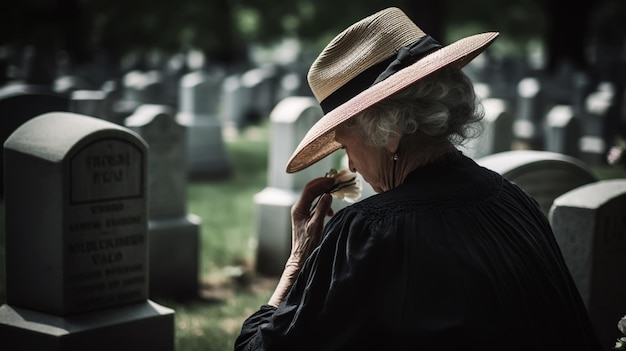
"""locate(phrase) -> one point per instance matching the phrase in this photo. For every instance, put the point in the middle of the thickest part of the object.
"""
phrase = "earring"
(395, 157)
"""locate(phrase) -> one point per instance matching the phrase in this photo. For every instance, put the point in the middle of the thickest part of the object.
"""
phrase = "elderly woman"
(447, 255)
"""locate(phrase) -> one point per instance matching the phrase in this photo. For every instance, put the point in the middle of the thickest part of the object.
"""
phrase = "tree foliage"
(224, 29)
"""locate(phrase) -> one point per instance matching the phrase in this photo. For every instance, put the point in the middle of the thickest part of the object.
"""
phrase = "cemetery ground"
(229, 289)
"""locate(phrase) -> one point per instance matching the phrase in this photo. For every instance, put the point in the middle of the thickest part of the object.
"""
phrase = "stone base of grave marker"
(139, 326)
(274, 229)
(174, 256)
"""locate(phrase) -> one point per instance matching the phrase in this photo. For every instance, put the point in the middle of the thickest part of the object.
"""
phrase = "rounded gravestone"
(544, 175)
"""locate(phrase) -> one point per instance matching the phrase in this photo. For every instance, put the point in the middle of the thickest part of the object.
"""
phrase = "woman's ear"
(393, 144)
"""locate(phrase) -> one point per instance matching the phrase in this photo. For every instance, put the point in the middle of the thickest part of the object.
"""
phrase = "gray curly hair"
(444, 104)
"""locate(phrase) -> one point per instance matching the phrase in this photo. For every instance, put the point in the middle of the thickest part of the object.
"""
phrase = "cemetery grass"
(229, 290)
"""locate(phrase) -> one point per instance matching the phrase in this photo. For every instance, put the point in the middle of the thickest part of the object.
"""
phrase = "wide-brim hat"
(369, 61)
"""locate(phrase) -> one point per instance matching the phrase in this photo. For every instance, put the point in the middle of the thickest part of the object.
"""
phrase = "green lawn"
(230, 291)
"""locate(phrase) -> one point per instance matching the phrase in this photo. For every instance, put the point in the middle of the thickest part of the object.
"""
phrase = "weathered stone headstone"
(76, 239)
(589, 223)
(544, 175)
(290, 120)
(199, 102)
(174, 234)
(562, 131)
(497, 130)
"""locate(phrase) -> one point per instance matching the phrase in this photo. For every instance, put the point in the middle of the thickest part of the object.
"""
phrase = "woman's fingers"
(312, 190)
(322, 209)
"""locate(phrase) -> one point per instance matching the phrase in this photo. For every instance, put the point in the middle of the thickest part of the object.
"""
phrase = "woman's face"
(362, 157)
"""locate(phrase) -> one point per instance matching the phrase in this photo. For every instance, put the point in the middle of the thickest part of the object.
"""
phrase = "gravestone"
(497, 130)
(261, 82)
(138, 88)
(563, 131)
(92, 103)
(593, 144)
(21, 102)
(115, 105)
(236, 100)
(76, 239)
(544, 175)
(589, 223)
(289, 121)
(66, 84)
(531, 106)
(174, 234)
(198, 111)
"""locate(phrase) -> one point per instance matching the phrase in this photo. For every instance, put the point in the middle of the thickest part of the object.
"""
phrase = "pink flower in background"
(615, 155)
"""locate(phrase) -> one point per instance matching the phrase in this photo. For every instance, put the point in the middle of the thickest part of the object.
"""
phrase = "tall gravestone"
(174, 234)
(544, 175)
(531, 108)
(598, 107)
(290, 120)
(563, 131)
(236, 100)
(589, 223)
(261, 82)
(198, 105)
(76, 239)
(497, 130)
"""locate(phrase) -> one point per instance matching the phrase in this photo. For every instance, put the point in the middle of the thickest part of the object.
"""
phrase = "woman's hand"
(306, 223)
(306, 231)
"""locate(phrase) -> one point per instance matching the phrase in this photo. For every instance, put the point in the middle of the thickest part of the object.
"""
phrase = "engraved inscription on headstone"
(106, 238)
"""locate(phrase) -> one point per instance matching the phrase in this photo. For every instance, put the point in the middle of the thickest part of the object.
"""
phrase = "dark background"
(585, 34)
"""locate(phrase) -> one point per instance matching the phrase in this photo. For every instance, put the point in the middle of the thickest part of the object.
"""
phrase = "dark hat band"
(406, 56)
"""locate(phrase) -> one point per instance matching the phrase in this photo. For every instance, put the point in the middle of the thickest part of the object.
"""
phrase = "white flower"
(347, 185)
(621, 325)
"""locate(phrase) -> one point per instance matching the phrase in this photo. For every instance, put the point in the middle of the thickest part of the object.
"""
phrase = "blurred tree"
(224, 29)
(564, 36)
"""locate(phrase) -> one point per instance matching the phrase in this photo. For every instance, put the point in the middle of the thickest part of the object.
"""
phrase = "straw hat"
(370, 60)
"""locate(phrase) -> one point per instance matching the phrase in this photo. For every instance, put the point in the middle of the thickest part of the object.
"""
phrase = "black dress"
(457, 257)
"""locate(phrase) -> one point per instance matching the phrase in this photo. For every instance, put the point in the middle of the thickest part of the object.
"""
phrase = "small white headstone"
(290, 120)
(563, 131)
(206, 153)
(497, 130)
